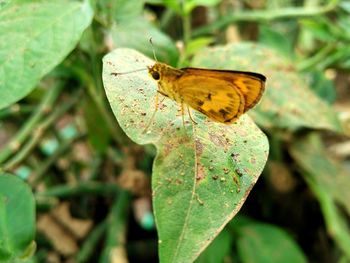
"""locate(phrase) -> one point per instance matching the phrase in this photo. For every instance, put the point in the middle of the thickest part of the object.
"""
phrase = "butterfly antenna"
(127, 72)
(154, 52)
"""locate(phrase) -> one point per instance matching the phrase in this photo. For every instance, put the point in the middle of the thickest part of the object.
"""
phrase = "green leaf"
(329, 181)
(264, 243)
(287, 102)
(218, 249)
(17, 219)
(121, 10)
(164, 47)
(126, 9)
(34, 38)
(322, 86)
(202, 173)
(194, 45)
(310, 154)
(276, 40)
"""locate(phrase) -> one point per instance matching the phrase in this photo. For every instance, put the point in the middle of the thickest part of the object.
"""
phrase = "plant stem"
(266, 15)
(336, 224)
(316, 59)
(27, 128)
(16, 109)
(39, 131)
(90, 244)
(116, 233)
(86, 188)
(42, 169)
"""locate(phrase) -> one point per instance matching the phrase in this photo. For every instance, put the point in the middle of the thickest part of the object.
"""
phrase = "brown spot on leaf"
(200, 173)
(199, 147)
(239, 172)
(217, 140)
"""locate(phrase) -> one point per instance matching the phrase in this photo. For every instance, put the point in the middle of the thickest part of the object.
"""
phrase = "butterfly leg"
(156, 106)
(183, 115)
(189, 114)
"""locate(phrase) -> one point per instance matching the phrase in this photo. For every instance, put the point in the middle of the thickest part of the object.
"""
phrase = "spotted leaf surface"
(202, 173)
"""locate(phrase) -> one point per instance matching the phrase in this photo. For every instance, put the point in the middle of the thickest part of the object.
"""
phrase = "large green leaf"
(202, 173)
(34, 38)
(17, 219)
(287, 102)
(264, 243)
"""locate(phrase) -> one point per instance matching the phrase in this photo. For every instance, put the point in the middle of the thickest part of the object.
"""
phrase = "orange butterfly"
(221, 95)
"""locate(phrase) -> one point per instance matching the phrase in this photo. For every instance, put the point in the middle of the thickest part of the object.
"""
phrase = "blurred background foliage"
(92, 184)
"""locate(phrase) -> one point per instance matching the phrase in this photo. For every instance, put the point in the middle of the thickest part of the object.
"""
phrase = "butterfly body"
(221, 95)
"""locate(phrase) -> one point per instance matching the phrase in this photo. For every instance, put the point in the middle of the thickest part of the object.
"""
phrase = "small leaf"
(202, 173)
(34, 38)
(287, 102)
(264, 243)
(17, 219)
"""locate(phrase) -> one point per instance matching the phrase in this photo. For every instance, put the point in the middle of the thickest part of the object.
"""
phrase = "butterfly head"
(156, 70)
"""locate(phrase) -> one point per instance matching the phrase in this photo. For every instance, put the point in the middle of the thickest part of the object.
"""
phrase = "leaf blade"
(45, 34)
(187, 176)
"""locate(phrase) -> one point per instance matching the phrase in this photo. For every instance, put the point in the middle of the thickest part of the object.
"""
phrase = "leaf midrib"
(192, 197)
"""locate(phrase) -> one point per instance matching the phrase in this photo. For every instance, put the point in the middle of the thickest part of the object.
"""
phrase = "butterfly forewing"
(217, 98)
(251, 85)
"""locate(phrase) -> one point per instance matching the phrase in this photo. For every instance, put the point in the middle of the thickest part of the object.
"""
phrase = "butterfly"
(221, 95)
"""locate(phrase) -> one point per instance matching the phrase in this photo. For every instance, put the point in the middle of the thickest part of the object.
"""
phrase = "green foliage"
(45, 34)
(199, 186)
(264, 243)
(17, 220)
(58, 132)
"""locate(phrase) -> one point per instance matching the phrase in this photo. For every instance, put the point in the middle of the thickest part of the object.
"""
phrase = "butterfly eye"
(155, 75)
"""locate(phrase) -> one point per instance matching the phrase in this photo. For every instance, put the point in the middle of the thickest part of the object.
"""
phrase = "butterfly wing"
(251, 85)
(217, 98)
